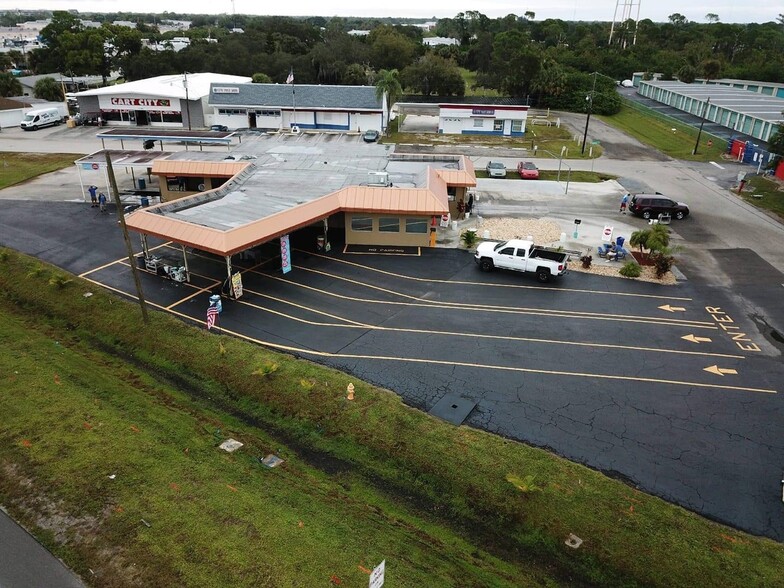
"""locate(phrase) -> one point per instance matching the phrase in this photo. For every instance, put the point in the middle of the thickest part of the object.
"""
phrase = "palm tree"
(49, 89)
(388, 84)
(9, 85)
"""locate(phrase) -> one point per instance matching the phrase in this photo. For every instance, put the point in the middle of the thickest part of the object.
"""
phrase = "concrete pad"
(453, 408)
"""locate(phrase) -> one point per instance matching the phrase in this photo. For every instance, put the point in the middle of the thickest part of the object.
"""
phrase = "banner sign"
(160, 102)
(285, 254)
(225, 90)
(607, 233)
(483, 111)
(236, 284)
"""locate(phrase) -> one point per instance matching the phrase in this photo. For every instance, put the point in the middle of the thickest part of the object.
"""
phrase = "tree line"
(552, 62)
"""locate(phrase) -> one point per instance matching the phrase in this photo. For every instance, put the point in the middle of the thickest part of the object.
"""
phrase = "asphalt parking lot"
(649, 383)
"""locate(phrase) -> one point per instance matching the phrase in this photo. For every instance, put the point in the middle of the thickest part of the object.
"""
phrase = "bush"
(631, 269)
(469, 238)
(662, 262)
(586, 261)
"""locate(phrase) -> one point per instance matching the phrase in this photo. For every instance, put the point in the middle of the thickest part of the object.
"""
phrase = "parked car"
(527, 170)
(371, 136)
(652, 205)
(627, 84)
(496, 169)
(521, 256)
(221, 128)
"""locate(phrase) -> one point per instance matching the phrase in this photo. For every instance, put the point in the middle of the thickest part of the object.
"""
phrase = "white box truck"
(42, 117)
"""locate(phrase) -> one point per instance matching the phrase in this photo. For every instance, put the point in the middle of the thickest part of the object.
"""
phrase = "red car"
(527, 170)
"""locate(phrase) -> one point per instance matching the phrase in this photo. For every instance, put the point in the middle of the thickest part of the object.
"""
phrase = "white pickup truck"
(521, 256)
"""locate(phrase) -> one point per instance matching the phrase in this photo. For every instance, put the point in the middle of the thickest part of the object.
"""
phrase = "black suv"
(652, 205)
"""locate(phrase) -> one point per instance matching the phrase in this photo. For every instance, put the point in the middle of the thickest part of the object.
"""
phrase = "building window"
(498, 125)
(269, 112)
(416, 225)
(479, 123)
(517, 126)
(361, 223)
(231, 111)
(451, 192)
(389, 224)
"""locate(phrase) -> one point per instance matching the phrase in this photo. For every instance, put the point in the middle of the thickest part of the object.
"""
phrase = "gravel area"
(547, 232)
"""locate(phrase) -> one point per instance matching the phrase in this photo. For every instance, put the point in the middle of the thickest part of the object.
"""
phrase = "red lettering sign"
(159, 102)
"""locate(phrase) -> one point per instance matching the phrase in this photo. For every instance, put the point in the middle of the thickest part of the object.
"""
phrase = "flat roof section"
(167, 135)
(761, 106)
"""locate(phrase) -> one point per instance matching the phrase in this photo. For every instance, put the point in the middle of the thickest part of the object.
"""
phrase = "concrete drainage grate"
(453, 408)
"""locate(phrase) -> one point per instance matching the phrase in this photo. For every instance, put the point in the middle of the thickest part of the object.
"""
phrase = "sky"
(586, 10)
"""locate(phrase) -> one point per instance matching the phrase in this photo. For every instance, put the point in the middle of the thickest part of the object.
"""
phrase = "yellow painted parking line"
(303, 351)
(116, 261)
(350, 324)
(471, 283)
(200, 291)
(500, 309)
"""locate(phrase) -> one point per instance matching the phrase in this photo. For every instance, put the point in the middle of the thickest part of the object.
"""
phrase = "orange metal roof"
(223, 169)
(428, 201)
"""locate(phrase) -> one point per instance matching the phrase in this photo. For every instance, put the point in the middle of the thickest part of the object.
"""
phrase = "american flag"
(212, 316)
(290, 79)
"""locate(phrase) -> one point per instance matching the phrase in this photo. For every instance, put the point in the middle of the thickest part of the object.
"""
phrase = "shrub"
(525, 484)
(631, 269)
(662, 262)
(469, 238)
(59, 281)
(586, 260)
(266, 370)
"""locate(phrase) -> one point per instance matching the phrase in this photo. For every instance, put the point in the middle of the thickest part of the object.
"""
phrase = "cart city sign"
(159, 102)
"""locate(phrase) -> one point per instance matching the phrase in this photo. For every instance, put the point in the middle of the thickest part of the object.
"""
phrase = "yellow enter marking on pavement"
(714, 369)
(487, 307)
(470, 283)
(350, 324)
(696, 339)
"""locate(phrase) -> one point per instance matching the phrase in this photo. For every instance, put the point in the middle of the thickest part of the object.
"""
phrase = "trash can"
(145, 201)
(142, 184)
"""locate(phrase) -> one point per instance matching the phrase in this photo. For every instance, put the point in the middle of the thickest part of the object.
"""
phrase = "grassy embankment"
(666, 134)
(20, 167)
(469, 77)
(88, 392)
(771, 192)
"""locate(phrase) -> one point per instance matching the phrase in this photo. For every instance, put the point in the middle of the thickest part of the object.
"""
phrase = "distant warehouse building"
(751, 114)
(766, 88)
(284, 106)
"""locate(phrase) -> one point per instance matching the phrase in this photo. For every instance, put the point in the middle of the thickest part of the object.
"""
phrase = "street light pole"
(702, 122)
(589, 98)
(187, 99)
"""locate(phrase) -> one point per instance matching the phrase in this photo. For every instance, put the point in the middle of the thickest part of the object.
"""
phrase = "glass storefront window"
(416, 225)
(389, 224)
(361, 223)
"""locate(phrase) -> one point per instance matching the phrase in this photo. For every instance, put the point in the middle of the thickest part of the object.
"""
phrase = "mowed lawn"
(109, 454)
(20, 167)
(667, 135)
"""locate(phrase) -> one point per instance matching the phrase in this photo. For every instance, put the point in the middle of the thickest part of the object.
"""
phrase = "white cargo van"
(43, 117)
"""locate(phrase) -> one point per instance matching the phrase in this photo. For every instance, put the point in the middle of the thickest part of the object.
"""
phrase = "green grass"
(86, 391)
(469, 77)
(771, 191)
(539, 140)
(552, 175)
(655, 130)
(20, 167)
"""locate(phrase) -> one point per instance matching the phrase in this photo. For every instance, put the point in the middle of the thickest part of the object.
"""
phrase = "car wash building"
(482, 119)
(276, 107)
(173, 101)
(306, 200)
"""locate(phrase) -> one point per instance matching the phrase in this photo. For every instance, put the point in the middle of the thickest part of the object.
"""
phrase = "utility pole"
(131, 260)
(589, 98)
(187, 99)
(702, 122)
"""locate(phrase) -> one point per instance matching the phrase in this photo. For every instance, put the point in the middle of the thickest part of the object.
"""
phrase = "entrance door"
(142, 118)
(251, 119)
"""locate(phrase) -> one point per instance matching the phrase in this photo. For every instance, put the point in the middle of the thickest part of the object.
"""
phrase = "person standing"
(461, 210)
(93, 190)
(470, 204)
(624, 202)
(102, 201)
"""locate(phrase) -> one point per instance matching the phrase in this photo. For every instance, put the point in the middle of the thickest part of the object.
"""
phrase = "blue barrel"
(145, 201)
(142, 184)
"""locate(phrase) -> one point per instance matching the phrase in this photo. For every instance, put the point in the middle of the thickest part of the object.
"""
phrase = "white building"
(436, 41)
(482, 119)
(282, 106)
(164, 101)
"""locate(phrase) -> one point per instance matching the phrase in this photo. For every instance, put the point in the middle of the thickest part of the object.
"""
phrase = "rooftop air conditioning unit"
(378, 179)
